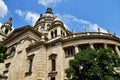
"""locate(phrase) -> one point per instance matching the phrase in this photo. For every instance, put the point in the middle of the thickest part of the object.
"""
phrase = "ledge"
(67, 56)
(2, 76)
(52, 73)
(28, 73)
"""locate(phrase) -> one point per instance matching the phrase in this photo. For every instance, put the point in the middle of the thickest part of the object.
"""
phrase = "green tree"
(3, 54)
(92, 64)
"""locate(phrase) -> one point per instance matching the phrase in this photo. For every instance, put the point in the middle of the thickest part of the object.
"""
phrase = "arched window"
(61, 32)
(55, 33)
(6, 30)
(52, 34)
(48, 25)
(12, 52)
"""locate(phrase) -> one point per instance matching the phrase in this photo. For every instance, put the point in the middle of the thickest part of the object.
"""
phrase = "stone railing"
(87, 34)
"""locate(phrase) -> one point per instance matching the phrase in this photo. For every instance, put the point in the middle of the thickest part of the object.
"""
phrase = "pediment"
(22, 33)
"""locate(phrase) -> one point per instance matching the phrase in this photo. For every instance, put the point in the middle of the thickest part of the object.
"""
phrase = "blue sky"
(76, 14)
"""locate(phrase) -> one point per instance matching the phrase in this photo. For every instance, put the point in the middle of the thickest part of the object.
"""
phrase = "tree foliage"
(92, 64)
(3, 54)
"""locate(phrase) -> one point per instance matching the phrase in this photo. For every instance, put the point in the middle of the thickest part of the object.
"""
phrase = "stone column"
(54, 34)
(91, 46)
(59, 31)
(76, 48)
(117, 50)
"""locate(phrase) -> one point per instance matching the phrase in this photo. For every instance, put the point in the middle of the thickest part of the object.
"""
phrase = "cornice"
(34, 45)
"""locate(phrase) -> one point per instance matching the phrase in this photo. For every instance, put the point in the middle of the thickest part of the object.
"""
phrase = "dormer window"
(48, 25)
(42, 29)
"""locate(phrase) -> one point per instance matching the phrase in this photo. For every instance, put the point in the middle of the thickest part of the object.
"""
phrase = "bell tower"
(6, 28)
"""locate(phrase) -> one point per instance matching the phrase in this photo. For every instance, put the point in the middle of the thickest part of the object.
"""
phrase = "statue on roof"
(49, 10)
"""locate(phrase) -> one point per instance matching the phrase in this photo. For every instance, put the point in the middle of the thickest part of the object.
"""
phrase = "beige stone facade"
(42, 52)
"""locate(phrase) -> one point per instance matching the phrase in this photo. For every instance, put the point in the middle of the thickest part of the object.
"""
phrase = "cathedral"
(43, 51)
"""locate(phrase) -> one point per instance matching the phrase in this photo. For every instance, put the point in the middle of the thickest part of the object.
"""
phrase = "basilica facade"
(43, 51)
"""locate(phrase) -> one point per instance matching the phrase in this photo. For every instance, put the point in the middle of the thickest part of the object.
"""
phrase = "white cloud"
(29, 16)
(19, 12)
(66, 18)
(74, 19)
(94, 27)
(70, 19)
(0, 24)
(3, 9)
(49, 2)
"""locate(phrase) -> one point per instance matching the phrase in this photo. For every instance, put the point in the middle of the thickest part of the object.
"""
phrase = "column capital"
(116, 45)
(91, 43)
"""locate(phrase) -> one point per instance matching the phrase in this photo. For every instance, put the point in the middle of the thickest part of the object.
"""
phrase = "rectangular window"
(52, 78)
(82, 48)
(69, 52)
(53, 65)
(30, 65)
